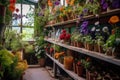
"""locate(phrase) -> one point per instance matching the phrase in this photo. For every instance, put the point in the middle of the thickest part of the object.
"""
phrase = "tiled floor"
(37, 74)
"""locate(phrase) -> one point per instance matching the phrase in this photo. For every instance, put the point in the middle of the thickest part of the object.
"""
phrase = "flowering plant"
(84, 28)
(64, 35)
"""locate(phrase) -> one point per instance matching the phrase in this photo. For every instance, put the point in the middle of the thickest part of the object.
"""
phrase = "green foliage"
(57, 48)
(5, 58)
(93, 7)
(88, 39)
(13, 40)
(85, 63)
(100, 40)
(11, 72)
(110, 41)
(79, 37)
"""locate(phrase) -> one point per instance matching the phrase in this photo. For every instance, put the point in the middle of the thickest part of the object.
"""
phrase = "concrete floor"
(37, 74)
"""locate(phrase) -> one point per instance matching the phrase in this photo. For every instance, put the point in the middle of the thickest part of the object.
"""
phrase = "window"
(27, 21)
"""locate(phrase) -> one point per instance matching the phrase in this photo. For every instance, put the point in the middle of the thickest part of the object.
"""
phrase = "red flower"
(78, 63)
(17, 10)
(63, 31)
(51, 50)
(12, 1)
(67, 37)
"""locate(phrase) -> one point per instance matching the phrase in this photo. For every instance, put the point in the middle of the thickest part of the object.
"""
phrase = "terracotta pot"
(90, 76)
(100, 49)
(41, 62)
(75, 43)
(79, 44)
(79, 69)
(74, 67)
(85, 45)
(109, 52)
(72, 43)
(90, 47)
(96, 48)
(116, 52)
(68, 62)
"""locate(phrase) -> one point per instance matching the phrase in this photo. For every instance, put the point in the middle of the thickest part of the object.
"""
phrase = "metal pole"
(21, 16)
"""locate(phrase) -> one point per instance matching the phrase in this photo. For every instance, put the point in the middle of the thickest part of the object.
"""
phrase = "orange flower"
(61, 8)
(114, 19)
(50, 4)
(72, 2)
(12, 7)
(67, 1)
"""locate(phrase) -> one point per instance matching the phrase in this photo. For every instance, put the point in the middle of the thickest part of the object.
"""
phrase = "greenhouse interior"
(59, 39)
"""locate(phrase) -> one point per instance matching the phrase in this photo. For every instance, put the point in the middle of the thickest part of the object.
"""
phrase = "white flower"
(97, 23)
(93, 29)
(105, 29)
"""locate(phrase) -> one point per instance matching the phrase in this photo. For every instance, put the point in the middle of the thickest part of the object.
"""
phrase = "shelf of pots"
(103, 14)
(87, 52)
(69, 72)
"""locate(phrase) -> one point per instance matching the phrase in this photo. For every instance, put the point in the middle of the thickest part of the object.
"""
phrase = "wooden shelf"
(87, 52)
(70, 73)
(111, 12)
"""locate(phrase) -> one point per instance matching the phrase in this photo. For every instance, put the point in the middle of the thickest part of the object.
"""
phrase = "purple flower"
(85, 23)
(102, 2)
(57, 3)
(40, 14)
(85, 10)
(84, 27)
(116, 4)
(105, 5)
(81, 16)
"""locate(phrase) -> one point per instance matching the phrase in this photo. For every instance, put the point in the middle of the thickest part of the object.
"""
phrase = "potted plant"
(79, 40)
(89, 43)
(100, 43)
(109, 45)
(91, 7)
(40, 50)
(79, 68)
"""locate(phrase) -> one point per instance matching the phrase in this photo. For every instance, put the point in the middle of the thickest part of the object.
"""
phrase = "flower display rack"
(103, 14)
(70, 73)
(87, 52)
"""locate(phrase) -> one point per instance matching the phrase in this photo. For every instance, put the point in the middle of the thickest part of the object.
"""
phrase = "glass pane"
(28, 34)
(16, 29)
(27, 15)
